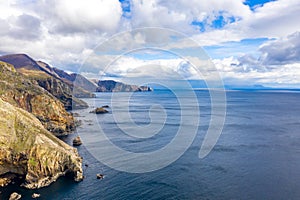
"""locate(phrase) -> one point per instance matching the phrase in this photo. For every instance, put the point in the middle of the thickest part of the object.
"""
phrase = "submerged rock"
(29, 150)
(15, 196)
(77, 141)
(100, 110)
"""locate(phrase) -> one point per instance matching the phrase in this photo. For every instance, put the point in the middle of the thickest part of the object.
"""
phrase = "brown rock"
(100, 110)
(77, 141)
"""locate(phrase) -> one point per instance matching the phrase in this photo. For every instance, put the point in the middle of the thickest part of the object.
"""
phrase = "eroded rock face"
(27, 94)
(29, 150)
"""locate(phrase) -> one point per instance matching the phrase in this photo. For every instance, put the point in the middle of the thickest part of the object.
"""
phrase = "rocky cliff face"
(78, 85)
(63, 92)
(19, 91)
(30, 151)
(113, 86)
(47, 78)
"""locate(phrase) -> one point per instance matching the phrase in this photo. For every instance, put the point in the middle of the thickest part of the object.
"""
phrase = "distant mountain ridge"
(114, 86)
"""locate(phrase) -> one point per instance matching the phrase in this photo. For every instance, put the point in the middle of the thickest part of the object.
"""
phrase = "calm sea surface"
(256, 157)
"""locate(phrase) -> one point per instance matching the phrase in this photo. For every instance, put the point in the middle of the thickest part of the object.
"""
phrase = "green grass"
(32, 162)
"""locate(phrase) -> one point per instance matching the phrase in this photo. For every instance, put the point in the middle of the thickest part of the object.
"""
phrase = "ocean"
(257, 156)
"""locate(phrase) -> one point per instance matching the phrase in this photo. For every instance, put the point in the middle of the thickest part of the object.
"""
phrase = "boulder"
(35, 195)
(77, 141)
(100, 176)
(15, 196)
(100, 110)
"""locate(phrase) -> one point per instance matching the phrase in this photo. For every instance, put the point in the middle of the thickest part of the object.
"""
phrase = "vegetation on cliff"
(29, 150)
(19, 91)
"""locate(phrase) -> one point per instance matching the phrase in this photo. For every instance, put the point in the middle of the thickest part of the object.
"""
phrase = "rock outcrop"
(113, 86)
(29, 150)
(19, 91)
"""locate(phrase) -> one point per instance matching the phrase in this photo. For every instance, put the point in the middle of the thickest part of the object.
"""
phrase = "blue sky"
(255, 3)
(249, 42)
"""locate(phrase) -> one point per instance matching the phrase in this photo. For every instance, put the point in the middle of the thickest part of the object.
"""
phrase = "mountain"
(20, 61)
(28, 150)
(47, 78)
(113, 86)
(25, 93)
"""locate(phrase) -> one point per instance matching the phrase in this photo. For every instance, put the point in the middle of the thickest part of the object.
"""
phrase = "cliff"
(79, 85)
(113, 86)
(19, 91)
(48, 78)
(30, 151)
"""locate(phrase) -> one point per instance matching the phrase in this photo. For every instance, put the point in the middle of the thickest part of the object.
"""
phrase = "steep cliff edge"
(21, 92)
(30, 151)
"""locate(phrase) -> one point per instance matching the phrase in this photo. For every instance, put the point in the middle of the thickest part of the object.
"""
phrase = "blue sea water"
(256, 157)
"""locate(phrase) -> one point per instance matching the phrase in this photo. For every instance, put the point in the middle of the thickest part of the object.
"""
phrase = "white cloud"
(274, 19)
(64, 33)
(78, 15)
(236, 73)
(281, 51)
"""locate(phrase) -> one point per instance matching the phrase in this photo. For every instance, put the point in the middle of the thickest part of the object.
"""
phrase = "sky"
(240, 42)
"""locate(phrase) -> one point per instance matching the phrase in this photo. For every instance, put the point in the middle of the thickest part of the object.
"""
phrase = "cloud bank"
(65, 33)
